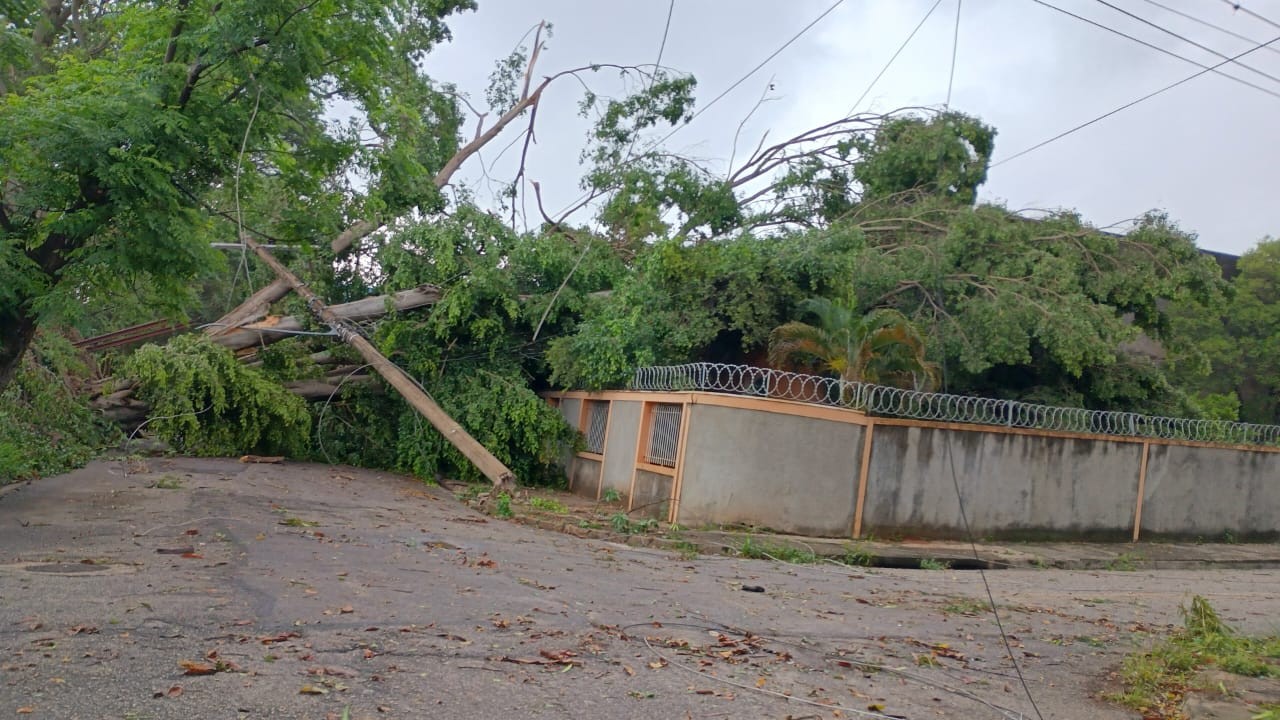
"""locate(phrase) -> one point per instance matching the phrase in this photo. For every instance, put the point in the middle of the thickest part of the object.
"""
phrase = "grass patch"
(966, 606)
(750, 548)
(1124, 562)
(168, 482)
(857, 555)
(932, 564)
(624, 525)
(299, 522)
(549, 505)
(612, 495)
(502, 508)
(687, 550)
(1155, 681)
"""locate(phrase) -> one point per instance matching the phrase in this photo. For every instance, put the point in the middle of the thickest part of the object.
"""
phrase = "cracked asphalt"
(309, 591)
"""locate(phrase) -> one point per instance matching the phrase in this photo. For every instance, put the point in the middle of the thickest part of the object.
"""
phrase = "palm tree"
(881, 347)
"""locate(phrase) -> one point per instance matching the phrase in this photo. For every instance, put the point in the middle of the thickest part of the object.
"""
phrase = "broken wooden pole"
(275, 329)
(490, 466)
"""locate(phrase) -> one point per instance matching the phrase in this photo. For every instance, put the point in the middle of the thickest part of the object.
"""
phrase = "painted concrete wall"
(653, 495)
(1013, 485)
(784, 472)
(620, 450)
(1209, 492)
(799, 474)
(570, 409)
(585, 477)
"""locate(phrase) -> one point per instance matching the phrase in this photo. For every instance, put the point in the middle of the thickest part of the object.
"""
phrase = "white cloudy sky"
(1206, 152)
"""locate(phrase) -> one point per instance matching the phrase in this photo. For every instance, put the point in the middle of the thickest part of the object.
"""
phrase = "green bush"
(45, 428)
(205, 402)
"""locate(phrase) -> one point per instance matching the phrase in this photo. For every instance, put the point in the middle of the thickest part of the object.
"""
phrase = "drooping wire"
(722, 95)
(1130, 104)
(889, 64)
(1241, 8)
(1207, 24)
(941, 302)
(955, 44)
(1184, 39)
(747, 76)
(1166, 51)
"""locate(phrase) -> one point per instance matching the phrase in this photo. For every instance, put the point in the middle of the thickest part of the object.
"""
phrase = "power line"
(731, 88)
(1208, 24)
(666, 29)
(896, 53)
(1247, 11)
(955, 44)
(1185, 39)
(1157, 48)
(754, 70)
(1144, 98)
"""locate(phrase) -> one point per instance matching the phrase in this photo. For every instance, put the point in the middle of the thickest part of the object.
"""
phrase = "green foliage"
(881, 347)
(945, 155)
(751, 548)
(45, 426)
(549, 505)
(502, 508)
(688, 301)
(1155, 680)
(118, 129)
(474, 351)
(611, 495)
(934, 564)
(205, 402)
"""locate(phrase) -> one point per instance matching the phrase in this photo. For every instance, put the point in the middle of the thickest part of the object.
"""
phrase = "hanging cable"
(1208, 24)
(1241, 8)
(1157, 48)
(955, 43)
(1185, 39)
(753, 70)
(1130, 104)
(889, 64)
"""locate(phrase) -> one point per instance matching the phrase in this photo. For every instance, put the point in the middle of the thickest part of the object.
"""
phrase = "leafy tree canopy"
(122, 123)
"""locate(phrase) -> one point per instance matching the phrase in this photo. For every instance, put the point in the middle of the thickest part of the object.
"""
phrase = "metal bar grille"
(664, 435)
(895, 402)
(597, 422)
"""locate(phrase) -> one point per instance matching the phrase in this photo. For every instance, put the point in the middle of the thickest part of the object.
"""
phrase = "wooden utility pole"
(480, 456)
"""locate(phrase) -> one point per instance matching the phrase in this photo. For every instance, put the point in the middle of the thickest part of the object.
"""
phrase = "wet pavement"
(185, 588)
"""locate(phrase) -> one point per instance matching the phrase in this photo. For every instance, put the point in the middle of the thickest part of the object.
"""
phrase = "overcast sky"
(1205, 152)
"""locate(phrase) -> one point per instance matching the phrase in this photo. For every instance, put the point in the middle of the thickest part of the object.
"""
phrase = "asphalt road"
(316, 592)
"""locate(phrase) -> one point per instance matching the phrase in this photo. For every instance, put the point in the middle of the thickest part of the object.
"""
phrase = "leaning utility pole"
(480, 456)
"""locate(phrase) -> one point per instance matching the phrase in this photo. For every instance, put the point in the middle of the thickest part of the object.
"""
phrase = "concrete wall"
(584, 477)
(1013, 485)
(784, 472)
(796, 469)
(570, 409)
(620, 448)
(653, 495)
(1205, 492)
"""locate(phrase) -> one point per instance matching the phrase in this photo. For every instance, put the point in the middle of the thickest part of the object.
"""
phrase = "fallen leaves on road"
(312, 690)
(190, 667)
(565, 658)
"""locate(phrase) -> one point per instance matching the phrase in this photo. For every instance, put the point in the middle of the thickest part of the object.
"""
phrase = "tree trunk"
(17, 329)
